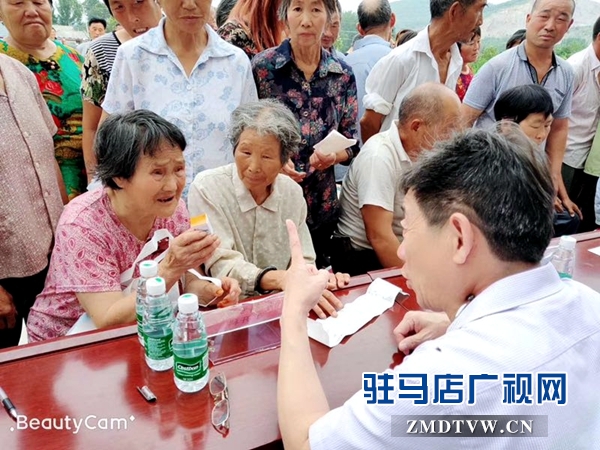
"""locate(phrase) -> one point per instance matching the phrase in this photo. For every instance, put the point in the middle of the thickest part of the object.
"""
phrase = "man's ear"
(456, 12)
(462, 235)
(416, 124)
(393, 21)
(360, 30)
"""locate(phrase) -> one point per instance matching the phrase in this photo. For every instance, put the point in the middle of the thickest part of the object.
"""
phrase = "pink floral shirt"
(91, 250)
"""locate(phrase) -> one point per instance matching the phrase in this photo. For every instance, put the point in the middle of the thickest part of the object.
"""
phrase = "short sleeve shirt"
(403, 69)
(91, 251)
(97, 67)
(512, 68)
(148, 75)
(374, 179)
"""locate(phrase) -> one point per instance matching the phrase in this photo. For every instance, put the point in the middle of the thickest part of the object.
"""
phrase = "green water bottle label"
(158, 348)
(140, 325)
(190, 369)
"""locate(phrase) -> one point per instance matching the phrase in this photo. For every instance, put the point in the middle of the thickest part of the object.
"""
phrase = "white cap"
(568, 242)
(156, 286)
(188, 303)
(148, 269)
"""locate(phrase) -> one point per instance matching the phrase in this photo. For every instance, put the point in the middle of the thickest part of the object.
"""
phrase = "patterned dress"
(59, 78)
(324, 103)
(464, 80)
(237, 35)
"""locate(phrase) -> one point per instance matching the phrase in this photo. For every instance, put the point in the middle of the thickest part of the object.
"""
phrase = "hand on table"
(419, 326)
(338, 280)
(230, 292)
(8, 312)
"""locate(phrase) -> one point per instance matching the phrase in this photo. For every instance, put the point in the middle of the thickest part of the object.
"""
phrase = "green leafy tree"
(67, 12)
(95, 8)
(347, 31)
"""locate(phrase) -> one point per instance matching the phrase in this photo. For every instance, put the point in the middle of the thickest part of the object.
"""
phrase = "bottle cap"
(568, 242)
(148, 269)
(188, 303)
(155, 286)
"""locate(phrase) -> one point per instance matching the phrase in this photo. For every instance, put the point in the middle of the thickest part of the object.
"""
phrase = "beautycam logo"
(91, 422)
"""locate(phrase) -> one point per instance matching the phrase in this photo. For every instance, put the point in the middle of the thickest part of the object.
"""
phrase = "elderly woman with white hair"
(248, 202)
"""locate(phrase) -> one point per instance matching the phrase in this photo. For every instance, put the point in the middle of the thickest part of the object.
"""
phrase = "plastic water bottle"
(158, 331)
(190, 346)
(564, 257)
(148, 269)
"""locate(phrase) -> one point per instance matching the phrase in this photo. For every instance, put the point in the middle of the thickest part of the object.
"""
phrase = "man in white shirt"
(371, 200)
(503, 323)
(583, 123)
(431, 56)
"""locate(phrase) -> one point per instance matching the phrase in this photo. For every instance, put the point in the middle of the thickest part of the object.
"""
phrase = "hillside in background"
(500, 20)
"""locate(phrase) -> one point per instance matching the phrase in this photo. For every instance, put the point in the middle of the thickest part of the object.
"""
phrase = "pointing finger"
(295, 247)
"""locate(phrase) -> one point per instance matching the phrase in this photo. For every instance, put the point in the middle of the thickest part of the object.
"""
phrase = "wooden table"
(97, 373)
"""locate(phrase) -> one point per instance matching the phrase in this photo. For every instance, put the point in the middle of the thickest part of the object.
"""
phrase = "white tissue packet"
(379, 297)
(333, 143)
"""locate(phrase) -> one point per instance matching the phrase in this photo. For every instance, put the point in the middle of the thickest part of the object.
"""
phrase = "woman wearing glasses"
(57, 69)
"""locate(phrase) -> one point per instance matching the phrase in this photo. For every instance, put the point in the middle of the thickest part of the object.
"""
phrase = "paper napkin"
(379, 297)
(333, 143)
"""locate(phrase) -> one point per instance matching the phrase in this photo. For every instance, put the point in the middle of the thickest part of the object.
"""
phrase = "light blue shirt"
(367, 51)
(530, 322)
(148, 75)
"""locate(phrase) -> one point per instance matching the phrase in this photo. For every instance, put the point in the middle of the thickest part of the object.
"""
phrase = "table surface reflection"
(95, 376)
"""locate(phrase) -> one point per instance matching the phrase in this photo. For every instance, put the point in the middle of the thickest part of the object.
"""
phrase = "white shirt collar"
(154, 41)
(245, 199)
(510, 292)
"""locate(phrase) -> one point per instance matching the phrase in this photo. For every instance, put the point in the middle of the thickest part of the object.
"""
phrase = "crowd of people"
(186, 110)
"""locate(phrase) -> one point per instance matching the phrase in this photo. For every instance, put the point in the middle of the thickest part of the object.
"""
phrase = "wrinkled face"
(549, 22)
(96, 30)
(470, 51)
(157, 182)
(536, 127)
(469, 19)
(29, 22)
(136, 16)
(258, 160)
(187, 16)
(427, 256)
(306, 21)
(332, 31)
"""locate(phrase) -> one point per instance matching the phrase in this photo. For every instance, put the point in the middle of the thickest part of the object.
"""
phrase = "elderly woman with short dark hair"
(249, 201)
(320, 90)
(101, 233)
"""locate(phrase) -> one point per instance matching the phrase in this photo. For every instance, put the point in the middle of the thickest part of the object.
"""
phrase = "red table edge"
(92, 337)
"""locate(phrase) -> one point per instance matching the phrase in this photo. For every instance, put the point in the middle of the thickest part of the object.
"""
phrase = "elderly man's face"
(548, 23)
(258, 162)
(427, 256)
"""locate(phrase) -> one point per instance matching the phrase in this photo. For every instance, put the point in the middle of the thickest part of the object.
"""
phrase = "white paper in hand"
(379, 296)
(333, 143)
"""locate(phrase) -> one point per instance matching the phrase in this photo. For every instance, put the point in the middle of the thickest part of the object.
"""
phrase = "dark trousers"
(582, 191)
(23, 292)
(321, 238)
(346, 259)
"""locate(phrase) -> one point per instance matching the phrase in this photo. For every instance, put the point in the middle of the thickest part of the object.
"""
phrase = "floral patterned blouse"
(59, 78)
(464, 80)
(237, 35)
(324, 103)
